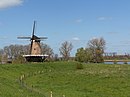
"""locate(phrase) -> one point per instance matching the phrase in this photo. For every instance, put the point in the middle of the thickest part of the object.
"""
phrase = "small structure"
(35, 48)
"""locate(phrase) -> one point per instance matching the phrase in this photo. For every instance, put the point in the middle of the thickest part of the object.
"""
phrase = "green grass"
(63, 78)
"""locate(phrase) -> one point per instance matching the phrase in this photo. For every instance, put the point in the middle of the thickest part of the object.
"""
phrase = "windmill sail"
(35, 48)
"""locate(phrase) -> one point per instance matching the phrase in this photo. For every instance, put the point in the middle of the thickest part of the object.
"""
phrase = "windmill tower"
(35, 48)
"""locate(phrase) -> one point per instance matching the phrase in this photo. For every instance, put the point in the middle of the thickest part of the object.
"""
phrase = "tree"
(46, 49)
(56, 57)
(80, 55)
(84, 55)
(93, 53)
(14, 51)
(97, 46)
(65, 49)
(1, 54)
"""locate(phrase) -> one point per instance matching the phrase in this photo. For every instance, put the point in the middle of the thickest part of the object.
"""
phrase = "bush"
(19, 60)
(115, 62)
(125, 62)
(79, 66)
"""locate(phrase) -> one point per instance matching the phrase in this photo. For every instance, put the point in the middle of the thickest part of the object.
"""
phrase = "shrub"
(79, 66)
(125, 62)
(115, 62)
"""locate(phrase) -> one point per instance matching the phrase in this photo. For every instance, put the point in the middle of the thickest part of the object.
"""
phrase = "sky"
(76, 21)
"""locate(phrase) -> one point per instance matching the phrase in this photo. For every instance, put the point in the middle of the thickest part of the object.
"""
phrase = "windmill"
(35, 53)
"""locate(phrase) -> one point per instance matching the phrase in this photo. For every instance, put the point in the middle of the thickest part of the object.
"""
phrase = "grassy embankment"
(94, 80)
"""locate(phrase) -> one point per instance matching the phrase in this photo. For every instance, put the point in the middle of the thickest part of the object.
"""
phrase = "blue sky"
(77, 21)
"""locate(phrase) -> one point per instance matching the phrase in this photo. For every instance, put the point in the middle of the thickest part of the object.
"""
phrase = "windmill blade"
(22, 37)
(39, 39)
(42, 37)
(33, 28)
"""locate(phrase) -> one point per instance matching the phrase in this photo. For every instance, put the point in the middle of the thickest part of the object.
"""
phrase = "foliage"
(14, 51)
(65, 49)
(19, 60)
(115, 61)
(46, 49)
(125, 61)
(56, 57)
(0, 58)
(79, 66)
(83, 55)
(93, 53)
(97, 46)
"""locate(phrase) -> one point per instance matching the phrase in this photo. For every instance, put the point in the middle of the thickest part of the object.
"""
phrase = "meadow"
(64, 78)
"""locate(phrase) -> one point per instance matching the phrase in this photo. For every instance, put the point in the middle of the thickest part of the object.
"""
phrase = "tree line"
(15, 52)
(92, 53)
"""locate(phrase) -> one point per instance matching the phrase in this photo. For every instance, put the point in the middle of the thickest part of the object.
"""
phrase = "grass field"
(63, 78)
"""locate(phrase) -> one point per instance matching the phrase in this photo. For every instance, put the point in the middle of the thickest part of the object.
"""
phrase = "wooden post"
(63, 95)
(51, 93)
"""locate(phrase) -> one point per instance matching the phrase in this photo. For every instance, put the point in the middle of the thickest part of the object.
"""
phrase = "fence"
(22, 82)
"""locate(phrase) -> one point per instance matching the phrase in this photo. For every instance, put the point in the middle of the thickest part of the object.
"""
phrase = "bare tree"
(65, 49)
(97, 46)
(46, 49)
(16, 50)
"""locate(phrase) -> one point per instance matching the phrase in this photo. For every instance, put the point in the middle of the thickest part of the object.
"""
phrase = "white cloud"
(75, 39)
(112, 32)
(94, 38)
(104, 18)
(101, 18)
(9, 3)
(79, 21)
(4, 37)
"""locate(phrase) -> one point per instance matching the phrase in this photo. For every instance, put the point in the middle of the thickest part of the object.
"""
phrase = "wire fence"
(23, 84)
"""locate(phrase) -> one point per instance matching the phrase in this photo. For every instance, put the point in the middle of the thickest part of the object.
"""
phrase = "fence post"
(51, 93)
